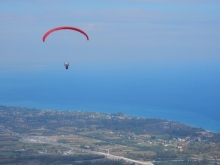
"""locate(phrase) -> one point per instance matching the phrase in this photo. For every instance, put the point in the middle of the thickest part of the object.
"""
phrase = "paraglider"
(66, 65)
(64, 28)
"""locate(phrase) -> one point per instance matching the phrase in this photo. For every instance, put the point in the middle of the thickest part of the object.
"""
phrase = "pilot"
(66, 65)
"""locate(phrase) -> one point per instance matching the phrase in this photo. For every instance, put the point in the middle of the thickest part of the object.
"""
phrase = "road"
(43, 139)
(48, 140)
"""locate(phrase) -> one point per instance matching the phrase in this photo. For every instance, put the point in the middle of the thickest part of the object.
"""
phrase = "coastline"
(185, 117)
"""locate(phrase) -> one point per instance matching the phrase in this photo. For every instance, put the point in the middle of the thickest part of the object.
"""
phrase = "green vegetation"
(135, 138)
(50, 158)
(186, 162)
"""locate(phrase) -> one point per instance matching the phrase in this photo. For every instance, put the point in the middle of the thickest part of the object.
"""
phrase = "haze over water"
(185, 94)
(146, 58)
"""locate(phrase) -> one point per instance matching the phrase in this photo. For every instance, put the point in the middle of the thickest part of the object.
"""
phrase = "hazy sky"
(163, 54)
(122, 32)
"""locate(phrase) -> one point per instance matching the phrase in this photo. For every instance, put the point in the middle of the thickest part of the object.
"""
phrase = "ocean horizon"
(144, 58)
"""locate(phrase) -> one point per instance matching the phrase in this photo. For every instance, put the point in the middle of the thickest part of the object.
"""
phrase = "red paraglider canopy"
(64, 28)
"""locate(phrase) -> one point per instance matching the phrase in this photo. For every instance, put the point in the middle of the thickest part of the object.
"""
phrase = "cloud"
(20, 67)
(93, 27)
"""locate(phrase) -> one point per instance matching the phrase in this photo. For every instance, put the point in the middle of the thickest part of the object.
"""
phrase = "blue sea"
(188, 93)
